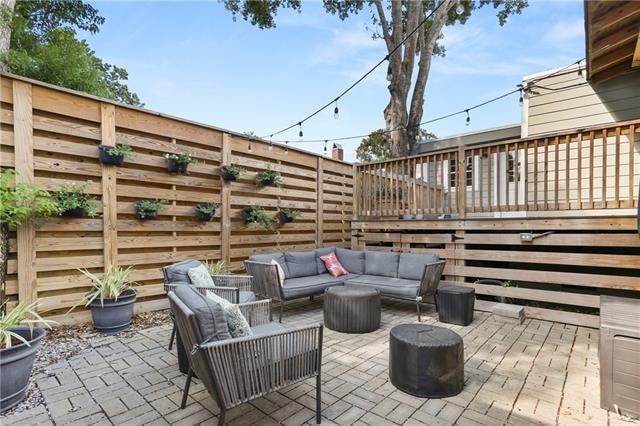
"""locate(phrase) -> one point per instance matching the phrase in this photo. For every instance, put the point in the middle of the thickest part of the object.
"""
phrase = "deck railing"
(595, 168)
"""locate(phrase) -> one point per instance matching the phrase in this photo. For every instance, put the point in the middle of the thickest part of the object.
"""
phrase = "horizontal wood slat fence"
(50, 136)
(596, 168)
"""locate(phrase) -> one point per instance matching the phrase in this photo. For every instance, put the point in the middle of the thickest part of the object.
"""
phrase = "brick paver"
(535, 373)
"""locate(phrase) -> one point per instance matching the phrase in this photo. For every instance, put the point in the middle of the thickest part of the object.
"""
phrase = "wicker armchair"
(266, 282)
(429, 283)
(238, 370)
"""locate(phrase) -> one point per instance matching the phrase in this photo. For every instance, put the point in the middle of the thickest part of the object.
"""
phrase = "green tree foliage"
(44, 46)
(376, 148)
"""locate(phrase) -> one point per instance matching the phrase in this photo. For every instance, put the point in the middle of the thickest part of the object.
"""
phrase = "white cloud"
(565, 30)
(344, 43)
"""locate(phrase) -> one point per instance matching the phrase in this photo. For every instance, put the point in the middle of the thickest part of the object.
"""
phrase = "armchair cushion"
(236, 322)
(247, 296)
(267, 257)
(384, 264)
(352, 260)
(321, 252)
(180, 271)
(212, 323)
(270, 327)
(411, 265)
(301, 264)
(397, 287)
(200, 276)
(308, 286)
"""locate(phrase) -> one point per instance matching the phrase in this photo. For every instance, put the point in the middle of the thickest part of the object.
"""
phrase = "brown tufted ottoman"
(352, 309)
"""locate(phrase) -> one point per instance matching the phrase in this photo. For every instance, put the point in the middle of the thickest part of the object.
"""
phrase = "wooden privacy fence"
(50, 136)
(596, 168)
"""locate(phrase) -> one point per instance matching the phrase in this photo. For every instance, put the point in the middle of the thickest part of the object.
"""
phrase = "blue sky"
(193, 61)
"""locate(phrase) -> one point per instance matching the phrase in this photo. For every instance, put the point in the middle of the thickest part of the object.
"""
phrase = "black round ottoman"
(426, 360)
(352, 309)
(455, 304)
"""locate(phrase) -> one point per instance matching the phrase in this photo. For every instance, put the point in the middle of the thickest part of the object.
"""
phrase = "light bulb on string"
(270, 147)
(336, 111)
(521, 99)
(286, 147)
(325, 146)
(460, 9)
(468, 121)
(300, 134)
(579, 70)
(389, 74)
(249, 147)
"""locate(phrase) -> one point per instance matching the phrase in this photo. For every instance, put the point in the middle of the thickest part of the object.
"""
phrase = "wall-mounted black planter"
(203, 217)
(245, 214)
(284, 218)
(144, 215)
(267, 182)
(174, 167)
(77, 212)
(106, 158)
(111, 315)
(226, 175)
(16, 364)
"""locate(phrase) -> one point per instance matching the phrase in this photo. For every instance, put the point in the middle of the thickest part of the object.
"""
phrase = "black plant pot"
(77, 212)
(245, 215)
(174, 167)
(284, 218)
(16, 364)
(267, 182)
(226, 175)
(204, 217)
(106, 158)
(113, 315)
(144, 215)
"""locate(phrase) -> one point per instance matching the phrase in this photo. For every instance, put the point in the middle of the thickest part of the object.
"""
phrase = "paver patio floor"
(535, 373)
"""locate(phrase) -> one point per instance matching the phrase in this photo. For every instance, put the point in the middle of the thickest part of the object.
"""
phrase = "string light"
(249, 147)
(389, 74)
(300, 134)
(286, 147)
(521, 100)
(468, 121)
(336, 111)
(270, 147)
(325, 147)
(579, 70)
(460, 9)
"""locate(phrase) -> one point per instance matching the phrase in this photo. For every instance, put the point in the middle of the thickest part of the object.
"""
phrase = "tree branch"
(413, 17)
(384, 24)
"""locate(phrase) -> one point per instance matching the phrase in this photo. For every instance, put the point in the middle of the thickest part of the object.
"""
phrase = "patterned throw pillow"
(280, 271)
(333, 265)
(237, 323)
(200, 276)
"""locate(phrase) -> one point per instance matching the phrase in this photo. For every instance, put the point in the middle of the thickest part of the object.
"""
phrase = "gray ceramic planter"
(16, 364)
(111, 315)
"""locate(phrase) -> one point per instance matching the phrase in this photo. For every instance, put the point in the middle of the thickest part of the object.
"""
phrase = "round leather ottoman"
(352, 309)
(426, 361)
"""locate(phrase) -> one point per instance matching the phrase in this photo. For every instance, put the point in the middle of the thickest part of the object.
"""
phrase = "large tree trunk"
(6, 17)
(4, 257)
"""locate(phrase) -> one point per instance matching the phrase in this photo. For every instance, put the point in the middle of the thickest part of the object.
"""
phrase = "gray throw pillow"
(411, 265)
(267, 257)
(384, 264)
(237, 323)
(351, 260)
(321, 252)
(200, 276)
(301, 264)
(180, 271)
(210, 317)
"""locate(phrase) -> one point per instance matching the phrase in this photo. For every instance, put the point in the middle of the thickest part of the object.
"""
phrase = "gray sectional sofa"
(408, 276)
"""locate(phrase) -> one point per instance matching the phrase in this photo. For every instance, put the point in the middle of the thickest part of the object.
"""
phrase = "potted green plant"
(217, 268)
(177, 163)
(231, 172)
(269, 178)
(19, 203)
(148, 209)
(73, 201)
(288, 215)
(111, 299)
(115, 155)
(19, 343)
(255, 214)
(206, 211)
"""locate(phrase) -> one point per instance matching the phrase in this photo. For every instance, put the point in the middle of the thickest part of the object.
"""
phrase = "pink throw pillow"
(333, 265)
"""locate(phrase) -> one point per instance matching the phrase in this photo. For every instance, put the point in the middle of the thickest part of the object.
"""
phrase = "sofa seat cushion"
(411, 265)
(180, 271)
(268, 328)
(388, 286)
(384, 264)
(301, 264)
(321, 252)
(267, 257)
(308, 286)
(246, 297)
(351, 260)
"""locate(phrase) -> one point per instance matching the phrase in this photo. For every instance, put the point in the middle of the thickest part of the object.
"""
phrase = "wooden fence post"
(225, 201)
(109, 195)
(461, 187)
(355, 206)
(319, 202)
(24, 165)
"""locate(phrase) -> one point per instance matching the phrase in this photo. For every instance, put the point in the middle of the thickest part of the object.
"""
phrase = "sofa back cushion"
(212, 323)
(351, 260)
(384, 264)
(267, 257)
(322, 252)
(411, 265)
(301, 264)
(179, 272)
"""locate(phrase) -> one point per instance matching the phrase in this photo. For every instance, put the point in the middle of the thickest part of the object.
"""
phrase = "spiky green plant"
(22, 314)
(110, 285)
(217, 268)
